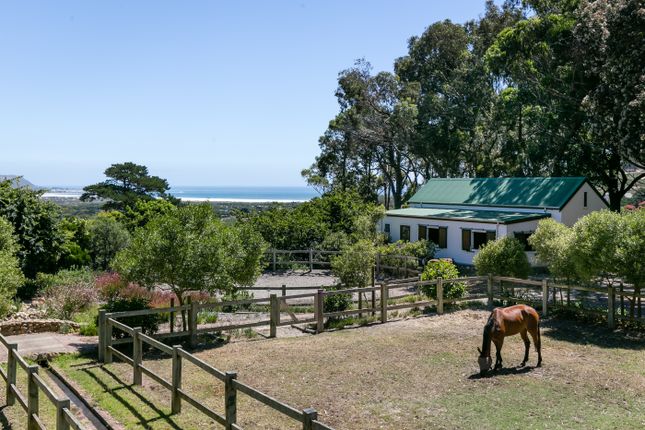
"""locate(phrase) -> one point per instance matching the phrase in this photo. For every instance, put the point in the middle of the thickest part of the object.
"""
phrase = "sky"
(201, 92)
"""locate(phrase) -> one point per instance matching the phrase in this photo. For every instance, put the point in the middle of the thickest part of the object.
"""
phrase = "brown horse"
(509, 321)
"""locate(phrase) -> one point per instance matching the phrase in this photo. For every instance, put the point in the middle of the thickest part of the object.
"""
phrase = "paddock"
(408, 374)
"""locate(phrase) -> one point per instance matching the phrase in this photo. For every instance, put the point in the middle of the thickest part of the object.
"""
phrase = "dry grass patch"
(412, 374)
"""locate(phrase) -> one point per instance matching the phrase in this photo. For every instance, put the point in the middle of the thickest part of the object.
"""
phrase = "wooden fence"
(313, 258)
(29, 403)
(308, 417)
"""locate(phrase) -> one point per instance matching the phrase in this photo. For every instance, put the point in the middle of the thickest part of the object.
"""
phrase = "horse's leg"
(527, 346)
(498, 346)
(535, 334)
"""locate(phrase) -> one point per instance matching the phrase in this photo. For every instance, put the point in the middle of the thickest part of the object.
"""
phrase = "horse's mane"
(487, 334)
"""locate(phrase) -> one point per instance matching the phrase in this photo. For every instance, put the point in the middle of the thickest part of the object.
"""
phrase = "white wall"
(454, 250)
(575, 209)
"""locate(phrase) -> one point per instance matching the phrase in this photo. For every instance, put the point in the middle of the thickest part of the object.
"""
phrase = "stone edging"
(15, 327)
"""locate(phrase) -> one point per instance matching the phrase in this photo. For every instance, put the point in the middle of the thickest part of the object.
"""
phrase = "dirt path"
(38, 344)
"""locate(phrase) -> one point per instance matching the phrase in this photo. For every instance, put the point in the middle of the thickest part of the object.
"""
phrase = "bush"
(444, 269)
(68, 292)
(337, 302)
(503, 257)
(552, 243)
(422, 250)
(107, 237)
(133, 298)
(10, 275)
(354, 265)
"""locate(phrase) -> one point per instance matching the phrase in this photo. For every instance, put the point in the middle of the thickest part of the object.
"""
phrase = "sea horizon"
(214, 193)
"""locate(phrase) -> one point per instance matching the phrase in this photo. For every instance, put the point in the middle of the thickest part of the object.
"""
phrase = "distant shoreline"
(193, 199)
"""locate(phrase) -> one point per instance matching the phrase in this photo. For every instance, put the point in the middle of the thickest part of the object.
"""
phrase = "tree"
(503, 257)
(444, 269)
(354, 265)
(126, 184)
(74, 249)
(597, 237)
(631, 264)
(10, 275)
(35, 223)
(552, 242)
(106, 238)
(191, 250)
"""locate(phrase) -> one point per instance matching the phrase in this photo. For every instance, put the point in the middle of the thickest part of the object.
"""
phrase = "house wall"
(575, 209)
(454, 250)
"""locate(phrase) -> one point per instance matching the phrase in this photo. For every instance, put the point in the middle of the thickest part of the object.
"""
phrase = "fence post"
(11, 373)
(61, 422)
(230, 399)
(373, 292)
(378, 264)
(107, 355)
(101, 330)
(319, 304)
(611, 307)
(175, 404)
(274, 260)
(172, 315)
(137, 356)
(384, 294)
(274, 315)
(622, 301)
(192, 323)
(489, 290)
(545, 297)
(310, 415)
(439, 295)
(360, 304)
(32, 398)
(284, 290)
(311, 259)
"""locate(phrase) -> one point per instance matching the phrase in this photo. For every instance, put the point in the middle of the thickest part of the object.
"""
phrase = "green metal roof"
(536, 193)
(484, 216)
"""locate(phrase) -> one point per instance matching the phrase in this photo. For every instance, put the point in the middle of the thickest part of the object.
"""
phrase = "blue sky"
(202, 92)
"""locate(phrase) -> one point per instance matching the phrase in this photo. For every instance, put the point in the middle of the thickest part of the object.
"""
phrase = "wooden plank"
(466, 299)
(231, 303)
(155, 344)
(202, 365)
(146, 312)
(300, 296)
(232, 327)
(268, 400)
(518, 280)
(291, 323)
(43, 386)
(320, 426)
(120, 326)
(37, 421)
(278, 288)
(412, 284)
(121, 355)
(167, 385)
(202, 408)
(20, 360)
(411, 305)
(72, 420)
(4, 375)
(22, 401)
(349, 291)
(348, 312)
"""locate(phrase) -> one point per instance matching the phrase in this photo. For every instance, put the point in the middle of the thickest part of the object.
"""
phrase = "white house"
(461, 214)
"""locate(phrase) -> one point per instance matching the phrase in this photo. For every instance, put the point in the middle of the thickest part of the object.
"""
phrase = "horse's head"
(485, 362)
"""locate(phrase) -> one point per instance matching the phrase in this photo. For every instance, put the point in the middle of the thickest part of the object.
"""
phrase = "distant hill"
(21, 182)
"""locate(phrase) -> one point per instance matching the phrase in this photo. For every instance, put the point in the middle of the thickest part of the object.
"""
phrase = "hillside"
(20, 182)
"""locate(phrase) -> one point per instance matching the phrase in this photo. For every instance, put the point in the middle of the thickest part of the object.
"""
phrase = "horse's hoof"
(522, 364)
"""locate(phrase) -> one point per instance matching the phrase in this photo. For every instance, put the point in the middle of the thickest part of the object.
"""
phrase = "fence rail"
(65, 419)
(308, 417)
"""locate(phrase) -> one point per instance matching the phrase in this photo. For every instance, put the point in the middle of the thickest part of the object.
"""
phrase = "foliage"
(133, 300)
(631, 251)
(552, 244)
(354, 265)
(444, 269)
(143, 211)
(35, 224)
(106, 237)
(503, 257)
(337, 302)
(126, 184)
(10, 275)
(421, 250)
(68, 292)
(75, 243)
(191, 250)
(595, 243)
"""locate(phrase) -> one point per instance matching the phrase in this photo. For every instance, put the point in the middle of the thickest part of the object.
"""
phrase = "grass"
(412, 374)
(87, 319)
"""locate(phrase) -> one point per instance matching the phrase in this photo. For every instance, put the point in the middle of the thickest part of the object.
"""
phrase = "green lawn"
(413, 374)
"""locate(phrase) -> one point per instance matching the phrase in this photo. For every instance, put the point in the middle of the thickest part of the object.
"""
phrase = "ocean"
(242, 194)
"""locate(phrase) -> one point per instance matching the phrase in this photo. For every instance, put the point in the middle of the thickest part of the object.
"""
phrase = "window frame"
(401, 227)
(438, 228)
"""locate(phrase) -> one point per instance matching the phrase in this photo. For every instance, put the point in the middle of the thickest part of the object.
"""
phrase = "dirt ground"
(418, 373)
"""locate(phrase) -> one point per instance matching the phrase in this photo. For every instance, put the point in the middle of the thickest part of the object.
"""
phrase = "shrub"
(354, 265)
(337, 302)
(552, 243)
(132, 297)
(503, 257)
(107, 237)
(68, 292)
(444, 269)
(10, 275)
(422, 250)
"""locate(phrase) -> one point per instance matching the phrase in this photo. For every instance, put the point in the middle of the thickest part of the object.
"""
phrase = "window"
(438, 235)
(584, 199)
(405, 233)
(475, 239)
(523, 237)
(386, 230)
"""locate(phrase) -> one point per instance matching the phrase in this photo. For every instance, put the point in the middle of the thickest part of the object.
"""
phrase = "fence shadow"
(591, 334)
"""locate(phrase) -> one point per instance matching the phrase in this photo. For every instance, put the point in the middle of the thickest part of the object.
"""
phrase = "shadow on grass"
(591, 334)
(166, 416)
(3, 419)
(503, 372)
